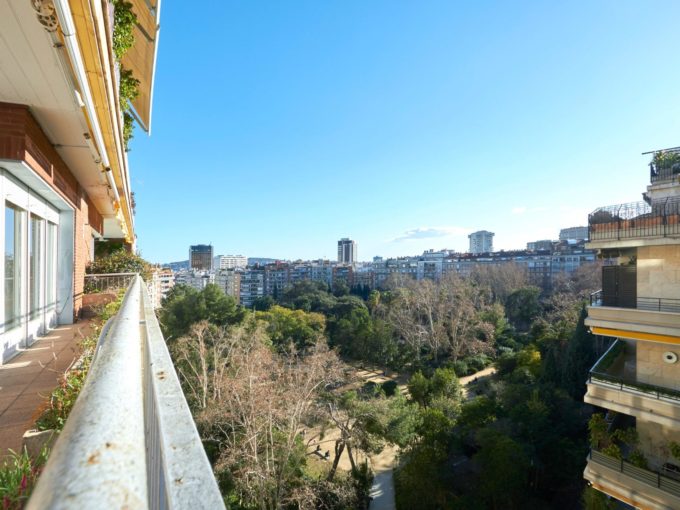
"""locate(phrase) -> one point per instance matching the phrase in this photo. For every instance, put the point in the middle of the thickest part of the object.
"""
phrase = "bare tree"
(500, 279)
(444, 316)
(584, 280)
(201, 358)
(254, 403)
(466, 332)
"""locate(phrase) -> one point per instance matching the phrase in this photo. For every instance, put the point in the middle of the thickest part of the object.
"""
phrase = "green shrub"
(128, 88)
(128, 129)
(64, 396)
(637, 459)
(460, 367)
(124, 20)
(612, 451)
(675, 449)
(478, 362)
(18, 476)
(597, 430)
(121, 261)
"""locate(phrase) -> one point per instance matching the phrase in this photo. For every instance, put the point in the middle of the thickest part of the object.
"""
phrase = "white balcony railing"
(108, 282)
(130, 440)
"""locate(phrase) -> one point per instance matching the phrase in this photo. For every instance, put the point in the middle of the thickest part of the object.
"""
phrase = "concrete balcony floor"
(29, 377)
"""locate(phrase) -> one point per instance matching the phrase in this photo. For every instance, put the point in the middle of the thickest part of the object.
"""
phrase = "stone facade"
(658, 271)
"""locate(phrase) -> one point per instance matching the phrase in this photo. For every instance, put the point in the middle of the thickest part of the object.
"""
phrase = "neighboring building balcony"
(641, 318)
(635, 224)
(614, 384)
(665, 166)
(641, 488)
(130, 440)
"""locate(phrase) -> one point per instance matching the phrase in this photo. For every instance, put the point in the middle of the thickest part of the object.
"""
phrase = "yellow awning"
(141, 58)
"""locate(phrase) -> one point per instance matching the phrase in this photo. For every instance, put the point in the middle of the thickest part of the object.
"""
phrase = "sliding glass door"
(51, 275)
(13, 266)
(30, 231)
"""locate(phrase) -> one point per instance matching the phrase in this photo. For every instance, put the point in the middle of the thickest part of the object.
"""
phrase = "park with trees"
(278, 402)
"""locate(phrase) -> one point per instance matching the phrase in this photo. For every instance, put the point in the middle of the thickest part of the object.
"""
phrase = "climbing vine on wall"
(124, 21)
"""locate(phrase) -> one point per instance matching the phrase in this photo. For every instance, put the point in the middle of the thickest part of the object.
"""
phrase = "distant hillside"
(177, 266)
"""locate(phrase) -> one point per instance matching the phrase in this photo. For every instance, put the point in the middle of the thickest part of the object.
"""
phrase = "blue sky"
(280, 127)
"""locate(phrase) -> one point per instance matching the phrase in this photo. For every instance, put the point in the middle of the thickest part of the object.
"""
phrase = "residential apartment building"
(252, 286)
(229, 262)
(64, 174)
(343, 274)
(196, 279)
(481, 242)
(229, 280)
(574, 234)
(638, 380)
(276, 279)
(347, 251)
(160, 283)
(201, 257)
(568, 257)
(544, 244)
(166, 279)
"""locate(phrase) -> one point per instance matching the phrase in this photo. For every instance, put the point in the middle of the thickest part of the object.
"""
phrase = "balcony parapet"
(635, 220)
(639, 487)
(104, 282)
(654, 319)
(611, 385)
(665, 166)
(602, 374)
(130, 440)
(650, 304)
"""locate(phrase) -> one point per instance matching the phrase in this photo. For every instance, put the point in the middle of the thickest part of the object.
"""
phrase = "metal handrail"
(598, 374)
(646, 476)
(596, 298)
(650, 304)
(107, 281)
(661, 218)
(630, 385)
(130, 440)
(610, 355)
(666, 167)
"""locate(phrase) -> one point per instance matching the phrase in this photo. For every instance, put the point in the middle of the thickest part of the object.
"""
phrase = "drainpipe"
(69, 31)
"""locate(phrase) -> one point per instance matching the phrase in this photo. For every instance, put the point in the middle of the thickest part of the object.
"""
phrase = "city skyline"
(407, 131)
(559, 237)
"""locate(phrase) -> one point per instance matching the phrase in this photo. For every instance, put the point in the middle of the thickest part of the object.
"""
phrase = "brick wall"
(22, 139)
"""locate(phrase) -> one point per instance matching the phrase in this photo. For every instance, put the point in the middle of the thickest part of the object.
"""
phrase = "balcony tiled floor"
(30, 376)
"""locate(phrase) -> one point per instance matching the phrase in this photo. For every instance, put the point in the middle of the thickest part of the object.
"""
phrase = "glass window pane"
(51, 260)
(13, 266)
(35, 262)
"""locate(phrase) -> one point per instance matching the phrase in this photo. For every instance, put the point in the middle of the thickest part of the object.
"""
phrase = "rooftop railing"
(646, 476)
(650, 304)
(665, 166)
(130, 440)
(635, 220)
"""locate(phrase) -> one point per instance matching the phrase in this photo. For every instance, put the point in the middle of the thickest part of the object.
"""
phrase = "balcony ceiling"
(31, 73)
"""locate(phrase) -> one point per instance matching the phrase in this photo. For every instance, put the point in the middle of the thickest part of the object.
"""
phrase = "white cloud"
(430, 233)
